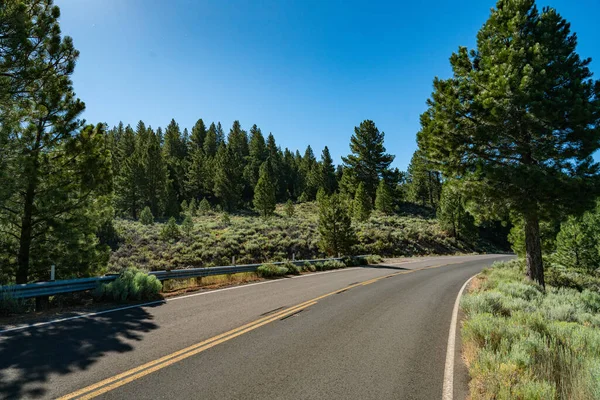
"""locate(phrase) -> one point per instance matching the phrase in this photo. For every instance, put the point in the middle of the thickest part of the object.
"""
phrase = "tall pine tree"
(228, 187)
(56, 172)
(264, 192)
(327, 179)
(368, 161)
(519, 120)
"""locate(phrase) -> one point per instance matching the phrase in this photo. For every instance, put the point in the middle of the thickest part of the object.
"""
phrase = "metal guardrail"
(52, 288)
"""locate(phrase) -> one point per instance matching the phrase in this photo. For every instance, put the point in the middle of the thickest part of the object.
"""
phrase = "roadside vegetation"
(523, 342)
(250, 239)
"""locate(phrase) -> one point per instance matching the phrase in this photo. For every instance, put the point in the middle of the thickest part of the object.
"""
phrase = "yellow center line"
(186, 355)
(121, 379)
(180, 352)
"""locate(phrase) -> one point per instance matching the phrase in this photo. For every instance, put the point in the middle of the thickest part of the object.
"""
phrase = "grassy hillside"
(213, 240)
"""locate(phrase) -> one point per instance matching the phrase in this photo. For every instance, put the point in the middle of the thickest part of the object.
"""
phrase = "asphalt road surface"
(377, 332)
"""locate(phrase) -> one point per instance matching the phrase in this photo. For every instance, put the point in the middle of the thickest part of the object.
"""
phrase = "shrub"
(521, 342)
(332, 264)
(271, 271)
(361, 208)
(192, 207)
(170, 230)
(132, 284)
(308, 267)
(187, 225)
(204, 207)
(373, 259)
(289, 209)
(291, 268)
(9, 304)
(184, 207)
(226, 219)
(146, 217)
(335, 226)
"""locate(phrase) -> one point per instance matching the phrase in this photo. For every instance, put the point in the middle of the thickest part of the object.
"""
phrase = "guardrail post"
(233, 261)
(293, 256)
(42, 303)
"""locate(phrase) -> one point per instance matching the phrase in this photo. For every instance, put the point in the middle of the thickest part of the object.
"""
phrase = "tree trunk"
(27, 223)
(533, 249)
(27, 218)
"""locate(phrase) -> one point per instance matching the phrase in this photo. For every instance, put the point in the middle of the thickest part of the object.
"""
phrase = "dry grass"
(174, 287)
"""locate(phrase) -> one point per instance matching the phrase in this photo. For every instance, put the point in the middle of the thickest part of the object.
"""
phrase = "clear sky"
(306, 70)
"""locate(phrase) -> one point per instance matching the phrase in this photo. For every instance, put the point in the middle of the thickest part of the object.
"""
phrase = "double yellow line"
(124, 378)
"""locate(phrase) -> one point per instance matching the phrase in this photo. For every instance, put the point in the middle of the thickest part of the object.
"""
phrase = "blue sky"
(306, 70)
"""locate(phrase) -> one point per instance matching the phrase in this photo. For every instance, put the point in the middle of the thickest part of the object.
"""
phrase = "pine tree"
(195, 164)
(187, 226)
(275, 156)
(290, 184)
(327, 180)
(170, 230)
(384, 202)
(56, 172)
(257, 155)
(128, 182)
(204, 207)
(115, 136)
(361, 208)
(309, 175)
(577, 242)
(424, 185)
(452, 216)
(237, 144)
(193, 207)
(220, 134)
(174, 154)
(155, 175)
(264, 193)
(146, 217)
(289, 209)
(227, 184)
(335, 226)
(519, 120)
(211, 143)
(368, 161)
(198, 136)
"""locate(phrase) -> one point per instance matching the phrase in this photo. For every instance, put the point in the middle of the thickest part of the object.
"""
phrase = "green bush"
(373, 259)
(289, 209)
(271, 271)
(132, 284)
(170, 230)
(292, 269)
(308, 267)
(187, 226)
(204, 207)
(332, 264)
(226, 219)
(146, 217)
(9, 304)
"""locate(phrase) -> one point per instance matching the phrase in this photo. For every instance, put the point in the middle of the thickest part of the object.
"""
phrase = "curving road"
(376, 332)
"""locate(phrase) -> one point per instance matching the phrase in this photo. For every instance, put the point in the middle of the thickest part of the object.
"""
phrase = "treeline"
(172, 169)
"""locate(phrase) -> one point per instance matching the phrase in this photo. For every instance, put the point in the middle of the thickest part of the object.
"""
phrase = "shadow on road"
(385, 266)
(29, 357)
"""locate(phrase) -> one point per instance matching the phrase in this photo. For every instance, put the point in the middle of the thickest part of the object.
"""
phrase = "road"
(376, 332)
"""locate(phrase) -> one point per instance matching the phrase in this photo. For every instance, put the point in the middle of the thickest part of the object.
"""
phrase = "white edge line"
(93, 314)
(448, 389)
